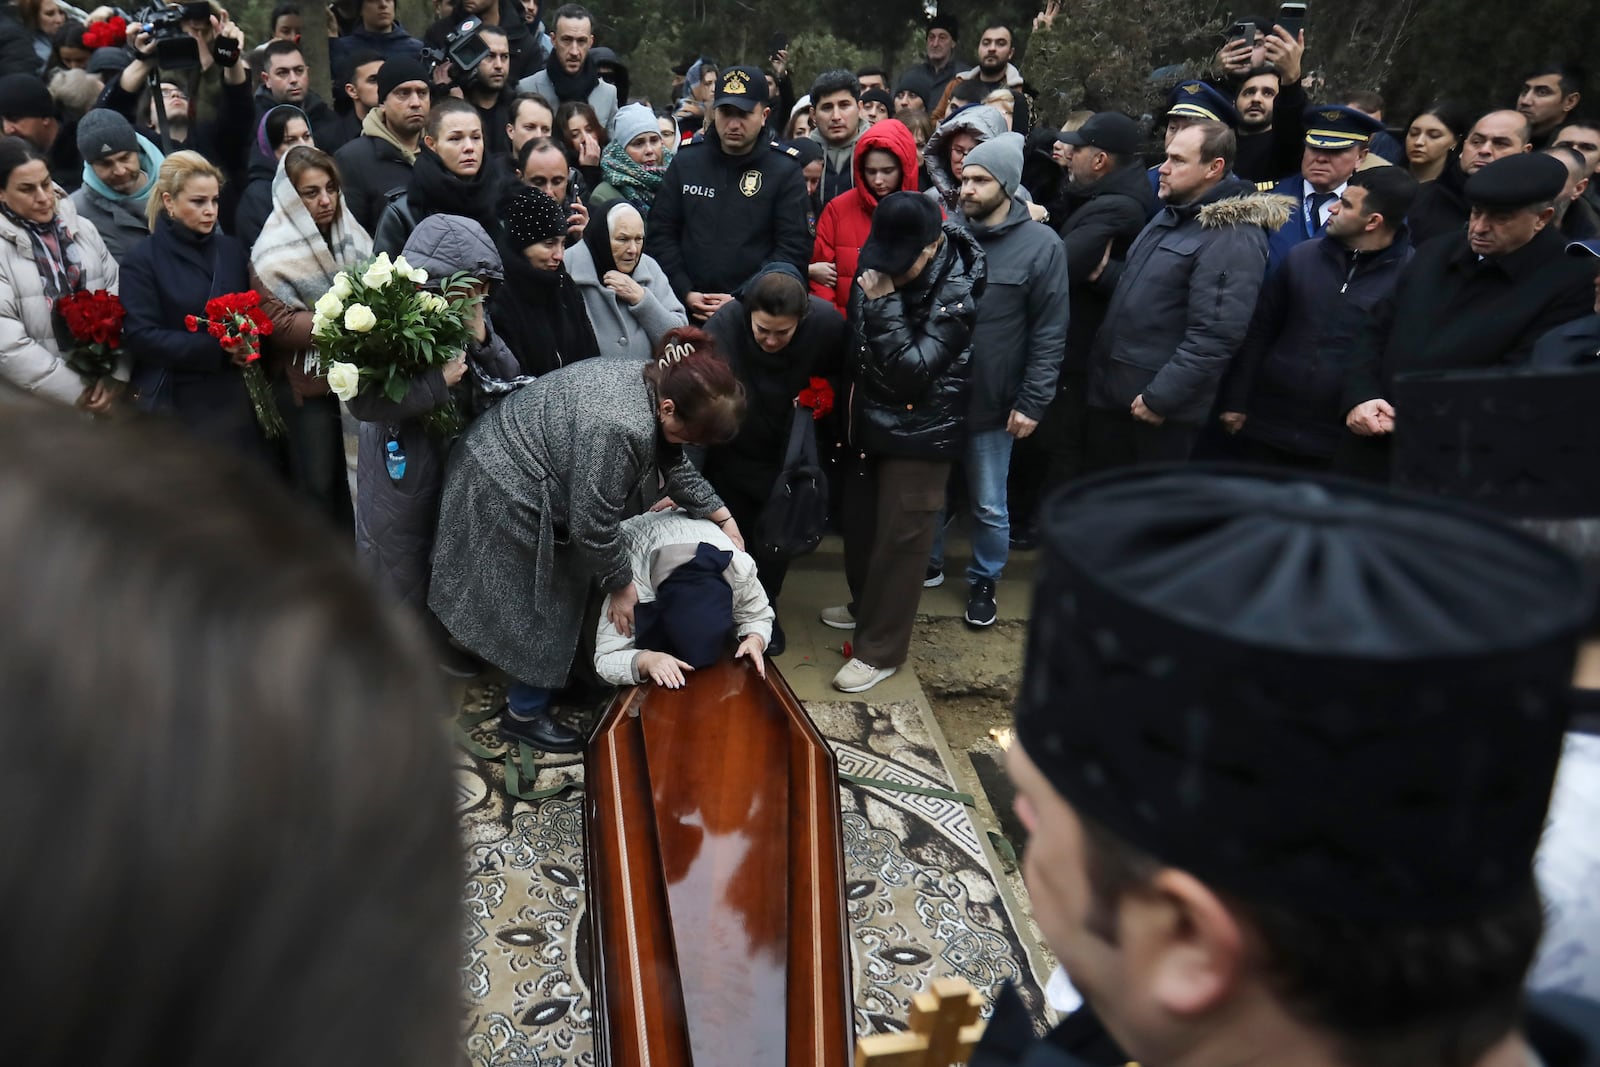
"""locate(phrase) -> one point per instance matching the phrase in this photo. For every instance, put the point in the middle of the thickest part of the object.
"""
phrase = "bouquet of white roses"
(378, 328)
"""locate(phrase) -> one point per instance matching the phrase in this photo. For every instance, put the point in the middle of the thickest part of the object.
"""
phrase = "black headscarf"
(597, 235)
(539, 313)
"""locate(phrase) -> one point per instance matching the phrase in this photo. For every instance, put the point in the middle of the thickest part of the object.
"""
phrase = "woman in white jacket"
(46, 252)
(677, 562)
(630, 302)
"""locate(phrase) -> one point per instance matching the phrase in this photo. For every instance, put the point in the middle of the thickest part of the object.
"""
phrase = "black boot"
(542, 732)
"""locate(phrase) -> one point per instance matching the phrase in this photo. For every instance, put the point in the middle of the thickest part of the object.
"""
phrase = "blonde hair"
(1002, 98)
(178, 170)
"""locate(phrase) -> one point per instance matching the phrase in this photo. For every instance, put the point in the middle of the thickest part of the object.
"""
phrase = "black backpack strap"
(802, 445)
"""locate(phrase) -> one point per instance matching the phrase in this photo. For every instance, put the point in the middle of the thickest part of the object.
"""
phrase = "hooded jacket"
(911, 357)
(847, 220)
(1182, 302)
(1285, 378)
(1021, 332)
(1112, 211)
(119, 217)
(839, 162)
(983, 122)
(395, 520)
(718, 218)
(374, 168)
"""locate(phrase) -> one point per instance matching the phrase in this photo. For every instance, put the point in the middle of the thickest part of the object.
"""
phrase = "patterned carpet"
(922, 900)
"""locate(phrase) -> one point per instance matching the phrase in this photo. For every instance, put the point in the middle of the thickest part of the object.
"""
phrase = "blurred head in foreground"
(1285, 750)
(229, 834)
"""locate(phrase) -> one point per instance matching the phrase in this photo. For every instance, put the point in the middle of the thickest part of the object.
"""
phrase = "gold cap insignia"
(1192, 88)
(1333, 116)
(736, 83)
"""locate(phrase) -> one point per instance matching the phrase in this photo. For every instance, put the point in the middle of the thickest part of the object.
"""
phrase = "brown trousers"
(890, 512)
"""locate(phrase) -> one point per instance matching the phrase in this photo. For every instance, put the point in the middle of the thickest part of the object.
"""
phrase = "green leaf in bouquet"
(395, 387)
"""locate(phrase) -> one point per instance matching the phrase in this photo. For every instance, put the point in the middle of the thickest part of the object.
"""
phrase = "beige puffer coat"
(30, 358)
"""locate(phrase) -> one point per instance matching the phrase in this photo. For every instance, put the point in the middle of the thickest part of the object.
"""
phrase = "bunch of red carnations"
(238, 323)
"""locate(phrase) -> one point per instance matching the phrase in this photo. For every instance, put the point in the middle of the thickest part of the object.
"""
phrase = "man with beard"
(488, 90)
(1441, 206)
(1478, 298)
(1017, 344)
(1266, 81)
(570, 75)
(729, 203)
(995, 71)
(1336, 143)
(1281, 399)
(377, 165)
(1277, 810)
(119, 170)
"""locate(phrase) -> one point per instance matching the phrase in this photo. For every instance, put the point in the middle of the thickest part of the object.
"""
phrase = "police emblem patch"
(735, 83)
(750, 182)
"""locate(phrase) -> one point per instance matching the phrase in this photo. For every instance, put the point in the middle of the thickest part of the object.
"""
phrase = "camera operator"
(523, 35)
(1263, 78)
(222, 137)
(488, 88)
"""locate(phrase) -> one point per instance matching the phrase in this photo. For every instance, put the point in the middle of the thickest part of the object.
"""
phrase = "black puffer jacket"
(911, 357)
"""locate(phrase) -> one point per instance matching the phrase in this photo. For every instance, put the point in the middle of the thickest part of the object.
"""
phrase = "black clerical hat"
(1309, 692)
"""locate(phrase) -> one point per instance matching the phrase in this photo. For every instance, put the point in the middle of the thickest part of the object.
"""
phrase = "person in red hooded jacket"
(885, 162)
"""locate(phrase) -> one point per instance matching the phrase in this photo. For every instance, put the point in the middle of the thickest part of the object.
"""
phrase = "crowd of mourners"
(996, 305)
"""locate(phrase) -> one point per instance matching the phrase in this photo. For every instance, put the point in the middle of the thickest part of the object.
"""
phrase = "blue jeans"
(988, 461)
(526, 701)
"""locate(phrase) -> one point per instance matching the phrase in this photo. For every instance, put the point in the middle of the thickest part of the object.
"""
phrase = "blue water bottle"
(394, 457)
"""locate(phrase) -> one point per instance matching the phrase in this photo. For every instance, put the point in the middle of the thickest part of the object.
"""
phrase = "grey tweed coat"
(533, 501)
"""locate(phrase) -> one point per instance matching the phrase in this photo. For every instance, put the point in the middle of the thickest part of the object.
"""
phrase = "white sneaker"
(839, 618)
(857, 677)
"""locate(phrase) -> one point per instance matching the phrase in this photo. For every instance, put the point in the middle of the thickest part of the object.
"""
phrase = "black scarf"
(540, 316)
(436, 191)
(572, 87)
(597, 235)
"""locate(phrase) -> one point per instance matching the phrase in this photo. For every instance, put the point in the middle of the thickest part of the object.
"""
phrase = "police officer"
(1284, 808)
(1337, 138)
(730, 202)
(1188, 103)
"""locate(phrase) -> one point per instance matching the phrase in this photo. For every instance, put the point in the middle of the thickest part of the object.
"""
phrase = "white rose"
(380, 274)
(344, 379)
(433, 303)
(330, 306)
(359, 318)
(320, 326)
(402, 269)
(342, 286)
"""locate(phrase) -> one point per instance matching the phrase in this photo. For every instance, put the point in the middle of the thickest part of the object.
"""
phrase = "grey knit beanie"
(1001, 156)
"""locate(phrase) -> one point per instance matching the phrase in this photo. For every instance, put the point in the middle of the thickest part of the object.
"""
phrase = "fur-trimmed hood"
(981, 120)
(1235, 202)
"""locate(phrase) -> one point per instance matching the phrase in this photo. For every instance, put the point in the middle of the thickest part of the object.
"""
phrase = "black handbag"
(796, 515)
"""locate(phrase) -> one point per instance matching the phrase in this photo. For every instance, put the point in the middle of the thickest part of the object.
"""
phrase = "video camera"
(175, 49)
(464, 49)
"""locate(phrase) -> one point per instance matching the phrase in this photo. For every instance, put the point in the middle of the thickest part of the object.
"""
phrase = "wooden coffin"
(716, 878)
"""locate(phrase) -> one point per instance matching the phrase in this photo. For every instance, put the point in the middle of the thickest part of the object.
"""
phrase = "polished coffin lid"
(716, 877)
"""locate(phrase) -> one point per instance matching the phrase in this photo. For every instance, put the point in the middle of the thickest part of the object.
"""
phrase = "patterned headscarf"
(633, 180)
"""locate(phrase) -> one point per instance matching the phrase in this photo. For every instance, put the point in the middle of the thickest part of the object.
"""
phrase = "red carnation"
(191, 322)
(818, 397)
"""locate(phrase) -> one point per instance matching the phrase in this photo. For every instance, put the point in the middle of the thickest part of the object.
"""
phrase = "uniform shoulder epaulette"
(1266, 186)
